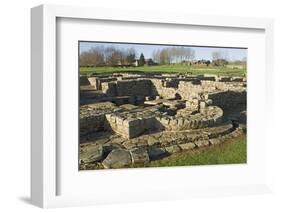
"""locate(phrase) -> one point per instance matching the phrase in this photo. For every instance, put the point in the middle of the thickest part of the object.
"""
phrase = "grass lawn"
(178, 68)
(231, 152)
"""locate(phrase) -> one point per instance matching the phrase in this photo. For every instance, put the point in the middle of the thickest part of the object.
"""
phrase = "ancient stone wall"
(230, 100)
(191, 89)
(96, 81)
(90, 124)
(168, 89)
(140, 87)
(100, 81)
(211, 117)
(92, 117)
(84, 81)
(159, 89)
(130, 127)
(93, 82)
(109, 88)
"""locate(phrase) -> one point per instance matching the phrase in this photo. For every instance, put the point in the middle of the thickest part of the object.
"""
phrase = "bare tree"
(189, 54)
(156, 56)
(216, 55)
(165, 56)
(114, 56)
(93, 57)
(220, 58)
(130, 56)
(173, 55)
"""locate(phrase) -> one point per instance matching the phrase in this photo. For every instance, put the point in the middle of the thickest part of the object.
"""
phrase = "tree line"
(173, 55)
(221, 58)
(112, 56)
(109, 56)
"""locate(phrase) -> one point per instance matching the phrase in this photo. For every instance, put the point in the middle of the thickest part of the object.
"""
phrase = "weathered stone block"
(206, 96)
(218, 120)
(152, 140)
(141, 119)
(187, 123)
(149, 123)
(209, 102)
(108, 116)
(204, 122)
(84, 81)
(134, 131)
(129, 145)
(131, 123)
(187, 146)
(214, 141)
(156, 153)
(202, 143)
(173, 122)
(119, 121)
(173, 149)
(107, 148)
(202, 104)
(139, 156)
(117, 158)
(194, 124)
(211, 122)
(93, 154)
(165, 120)
(180, 121)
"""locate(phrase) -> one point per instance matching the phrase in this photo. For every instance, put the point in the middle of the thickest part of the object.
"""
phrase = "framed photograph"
(129, 106)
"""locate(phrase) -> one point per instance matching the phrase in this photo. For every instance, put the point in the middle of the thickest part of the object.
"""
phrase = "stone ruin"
(131, 119)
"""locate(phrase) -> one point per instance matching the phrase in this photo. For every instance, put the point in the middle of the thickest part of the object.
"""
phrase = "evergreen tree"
(141, 60)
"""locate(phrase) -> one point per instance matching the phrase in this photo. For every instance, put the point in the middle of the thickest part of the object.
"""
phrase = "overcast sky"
(147, 49)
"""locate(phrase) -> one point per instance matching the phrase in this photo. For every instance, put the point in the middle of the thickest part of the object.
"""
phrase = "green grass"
(230, 152)
(178, 68)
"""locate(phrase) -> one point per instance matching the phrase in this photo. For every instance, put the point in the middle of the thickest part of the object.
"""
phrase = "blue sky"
(147, 49)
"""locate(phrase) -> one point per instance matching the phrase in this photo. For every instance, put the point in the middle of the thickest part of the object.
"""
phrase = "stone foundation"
(92, 117)
(132, 124)
(151, 116)
(140, 150)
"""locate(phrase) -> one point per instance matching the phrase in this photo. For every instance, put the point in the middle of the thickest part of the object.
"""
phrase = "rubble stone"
(117, 158)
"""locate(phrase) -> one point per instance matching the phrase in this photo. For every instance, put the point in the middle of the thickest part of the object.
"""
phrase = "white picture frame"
(44, 154)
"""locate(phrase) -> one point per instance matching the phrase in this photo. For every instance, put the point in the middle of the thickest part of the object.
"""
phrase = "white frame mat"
(44, 154)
